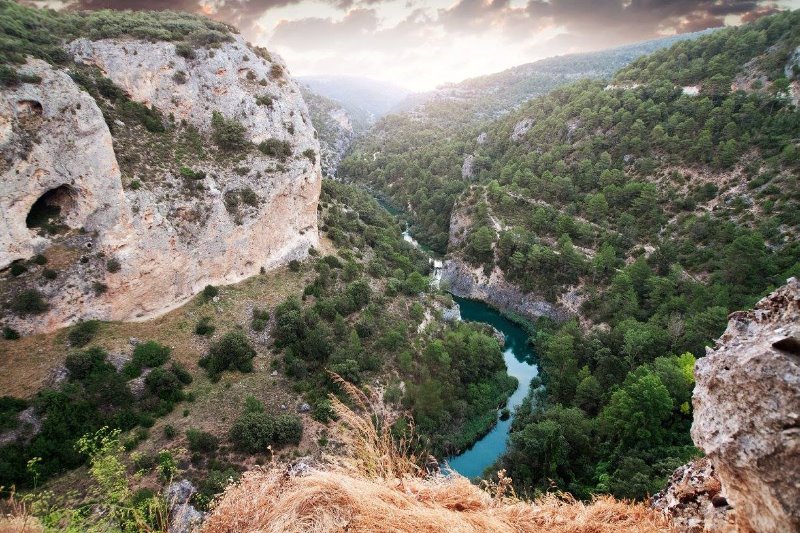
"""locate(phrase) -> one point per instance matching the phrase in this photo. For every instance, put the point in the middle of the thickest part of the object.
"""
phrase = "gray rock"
(179, 492)
(747, 411)
(494, 289)
(171, 242)
(303, 408)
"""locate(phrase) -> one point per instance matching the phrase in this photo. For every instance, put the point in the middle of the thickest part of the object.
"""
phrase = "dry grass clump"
(271, 500)
(391, 493)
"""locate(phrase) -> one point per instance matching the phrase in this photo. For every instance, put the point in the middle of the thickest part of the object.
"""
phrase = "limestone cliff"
(747, 411)
(134, 220)
(746, 419)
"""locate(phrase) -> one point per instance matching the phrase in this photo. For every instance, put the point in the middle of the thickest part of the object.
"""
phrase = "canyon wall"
(146, 220)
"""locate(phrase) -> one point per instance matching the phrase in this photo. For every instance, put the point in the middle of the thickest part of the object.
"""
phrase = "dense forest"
(665, 198)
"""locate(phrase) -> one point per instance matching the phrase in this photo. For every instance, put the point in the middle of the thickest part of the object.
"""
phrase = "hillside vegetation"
(659, 209)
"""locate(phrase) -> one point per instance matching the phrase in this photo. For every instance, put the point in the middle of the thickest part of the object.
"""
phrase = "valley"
(234, 299)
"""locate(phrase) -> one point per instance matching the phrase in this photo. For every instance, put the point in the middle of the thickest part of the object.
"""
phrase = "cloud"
(426, 42)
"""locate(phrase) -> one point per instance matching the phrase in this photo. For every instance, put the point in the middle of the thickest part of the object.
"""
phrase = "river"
(518, 356)
(519, 360)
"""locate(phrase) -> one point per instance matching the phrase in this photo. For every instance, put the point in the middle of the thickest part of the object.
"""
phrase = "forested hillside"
(415, 158)
(660, 202)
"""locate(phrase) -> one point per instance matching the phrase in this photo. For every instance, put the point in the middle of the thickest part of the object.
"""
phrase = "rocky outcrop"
(693, 499)
(168, 236)
(467, 282)
(747, 411)
(335, 129)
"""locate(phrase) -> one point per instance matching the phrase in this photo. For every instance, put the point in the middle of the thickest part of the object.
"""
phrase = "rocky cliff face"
(468, 282)
(747, 421)
(133, 223)
(747, 411)
(335, 129)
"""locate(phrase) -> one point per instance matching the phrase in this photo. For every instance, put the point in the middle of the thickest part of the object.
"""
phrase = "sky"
(421, 44)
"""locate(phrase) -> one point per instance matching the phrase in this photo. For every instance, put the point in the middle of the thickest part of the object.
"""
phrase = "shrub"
(185, 50)
(228, 134)
(311, 155)
(49, 273)
(39, 259)
(180, 77)
(99, 288)
(265, 100)
(252, 432)
(83, 332)
(210, 291)
(188, 173)
(323, 411)
(204, 327)
(81, 364)
(249, 196)
(170, 432)
(276, 148)
(136, 185)
(10, 334)
(181, 373)
(29, 302)
(164, 385)
(113, 265)
(276, 71)
(294, 265)
(260, 319)
(146, 355)
(232, 352)
(201, 441)
(17, 269)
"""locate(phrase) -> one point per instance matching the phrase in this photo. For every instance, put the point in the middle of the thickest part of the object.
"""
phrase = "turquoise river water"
(519, 360)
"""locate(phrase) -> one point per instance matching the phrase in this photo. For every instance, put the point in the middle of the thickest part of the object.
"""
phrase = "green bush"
(232, 352)
(163, 384)
(146, 355)
(9, 409)
(228, 134)
(204, 327)
(210, 292)
(181, 373)
(39, 259)
(185, 50)
(311, 155)
(10, 334)
(83, 332)
(113, 265)
(82, 364)
(265, 100)
(252, 432)
(17, 269)
(294, 265)
(170, 432)
(260, 319)
(201, 441)
(276, 148)
(49, 273)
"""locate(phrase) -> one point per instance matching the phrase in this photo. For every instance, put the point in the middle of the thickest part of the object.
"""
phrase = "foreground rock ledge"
(747, 411)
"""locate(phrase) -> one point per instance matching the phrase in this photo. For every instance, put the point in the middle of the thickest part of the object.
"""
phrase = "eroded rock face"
(467, 282)
(747, 411)
(168, 243)
(693, 499)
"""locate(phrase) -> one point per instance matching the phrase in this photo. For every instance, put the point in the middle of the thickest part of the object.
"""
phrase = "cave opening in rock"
(52, 210)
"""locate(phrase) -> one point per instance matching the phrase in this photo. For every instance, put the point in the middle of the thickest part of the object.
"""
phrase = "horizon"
(419, 46)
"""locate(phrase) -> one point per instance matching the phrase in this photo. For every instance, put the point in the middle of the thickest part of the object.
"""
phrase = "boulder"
(747, 411)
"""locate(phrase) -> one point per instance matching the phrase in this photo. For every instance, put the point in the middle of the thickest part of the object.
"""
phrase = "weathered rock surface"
(183, 517)
(169, 244)
(747, 411)
(465, 281)
(694, 501)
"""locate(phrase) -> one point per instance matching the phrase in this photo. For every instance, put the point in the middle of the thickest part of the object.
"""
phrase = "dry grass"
(389, 492)
(273, 500)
